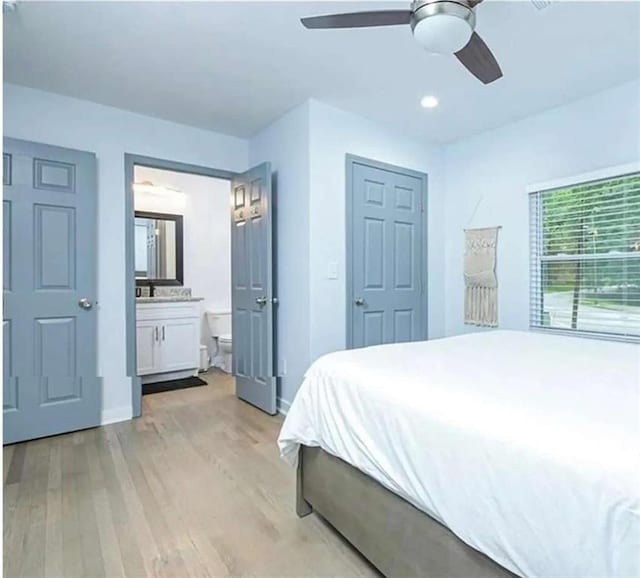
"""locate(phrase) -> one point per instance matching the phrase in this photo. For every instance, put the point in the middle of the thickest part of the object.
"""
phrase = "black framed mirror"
(158, 249)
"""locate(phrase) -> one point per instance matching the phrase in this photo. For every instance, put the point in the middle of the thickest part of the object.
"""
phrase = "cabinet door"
(147, 347)
(180, 344)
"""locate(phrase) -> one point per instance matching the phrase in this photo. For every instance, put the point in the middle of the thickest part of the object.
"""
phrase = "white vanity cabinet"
(167, 340)
(146, 346)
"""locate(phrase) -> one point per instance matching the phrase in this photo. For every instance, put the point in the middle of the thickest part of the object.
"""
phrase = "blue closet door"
(49, 213)
(388, 301)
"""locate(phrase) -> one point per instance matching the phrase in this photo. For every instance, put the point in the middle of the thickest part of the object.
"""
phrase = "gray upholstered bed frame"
(396, 537)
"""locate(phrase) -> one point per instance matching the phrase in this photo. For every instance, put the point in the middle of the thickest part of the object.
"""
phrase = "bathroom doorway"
(179, 273)
(159, 342)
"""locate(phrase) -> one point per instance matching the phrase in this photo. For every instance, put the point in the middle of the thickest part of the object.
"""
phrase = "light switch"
(332, 270)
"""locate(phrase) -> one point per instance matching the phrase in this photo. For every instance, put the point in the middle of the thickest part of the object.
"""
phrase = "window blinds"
(585, 258)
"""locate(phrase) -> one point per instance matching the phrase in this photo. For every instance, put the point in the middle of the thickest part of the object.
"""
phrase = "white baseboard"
(283, 406)
(116, 414)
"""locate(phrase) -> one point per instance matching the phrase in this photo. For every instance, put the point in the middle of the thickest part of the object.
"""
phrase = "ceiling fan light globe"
(443, 33)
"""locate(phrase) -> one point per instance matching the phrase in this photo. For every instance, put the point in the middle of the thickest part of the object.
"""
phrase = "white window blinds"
(585, 258)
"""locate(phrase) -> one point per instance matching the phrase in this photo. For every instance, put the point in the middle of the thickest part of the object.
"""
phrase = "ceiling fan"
(440, 26)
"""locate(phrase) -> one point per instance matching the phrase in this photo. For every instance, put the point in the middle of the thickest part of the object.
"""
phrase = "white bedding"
(525, 445)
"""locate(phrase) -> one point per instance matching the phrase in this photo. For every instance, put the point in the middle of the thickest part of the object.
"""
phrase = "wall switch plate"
(332, 270)
(282, 367)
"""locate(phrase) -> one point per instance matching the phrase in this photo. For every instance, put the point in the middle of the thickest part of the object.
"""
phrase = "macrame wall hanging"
(480, 279)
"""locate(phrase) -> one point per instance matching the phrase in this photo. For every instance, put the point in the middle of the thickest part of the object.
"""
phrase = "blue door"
(50, 384)
(387, 301)
(252, 295)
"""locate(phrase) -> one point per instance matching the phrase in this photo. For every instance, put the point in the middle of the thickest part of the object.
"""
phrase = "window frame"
(536, 191)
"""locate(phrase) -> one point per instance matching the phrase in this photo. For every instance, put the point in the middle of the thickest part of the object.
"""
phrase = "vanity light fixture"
(147, 187)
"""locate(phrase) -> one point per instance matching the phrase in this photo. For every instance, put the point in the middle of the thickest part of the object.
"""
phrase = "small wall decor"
(480, 279)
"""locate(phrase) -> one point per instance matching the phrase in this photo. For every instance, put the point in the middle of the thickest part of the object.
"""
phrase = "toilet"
(220, 329)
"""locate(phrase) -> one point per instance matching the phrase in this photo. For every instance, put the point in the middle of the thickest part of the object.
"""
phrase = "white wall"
(333, 134)
(204, 205)
(286, 145)
(110, 133)
(492, 170)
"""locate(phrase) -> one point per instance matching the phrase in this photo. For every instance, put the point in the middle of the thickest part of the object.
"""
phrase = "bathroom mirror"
(158, 243)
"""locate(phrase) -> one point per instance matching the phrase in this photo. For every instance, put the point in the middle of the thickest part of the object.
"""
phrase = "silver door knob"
(84, 303)
(359, 301)
(262, 301)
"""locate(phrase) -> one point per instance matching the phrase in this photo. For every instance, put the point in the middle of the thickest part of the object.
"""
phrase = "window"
(585, 258)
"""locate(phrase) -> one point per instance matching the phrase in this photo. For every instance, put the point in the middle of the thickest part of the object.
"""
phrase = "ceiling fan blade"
(359, 19)
(479, 61)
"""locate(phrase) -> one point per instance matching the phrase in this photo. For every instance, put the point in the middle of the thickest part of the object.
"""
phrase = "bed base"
(393, 535)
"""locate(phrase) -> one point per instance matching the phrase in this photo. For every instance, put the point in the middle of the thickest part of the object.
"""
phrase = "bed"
(485, 455)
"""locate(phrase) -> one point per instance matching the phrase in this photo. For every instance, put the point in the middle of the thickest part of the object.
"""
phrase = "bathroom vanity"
(168, 318)
(167, 337)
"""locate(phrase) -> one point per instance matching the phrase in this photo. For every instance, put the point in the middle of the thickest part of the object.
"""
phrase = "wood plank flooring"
(195, 487)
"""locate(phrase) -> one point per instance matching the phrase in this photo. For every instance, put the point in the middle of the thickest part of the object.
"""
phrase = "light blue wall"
(307, 148)
(110, 132)
(333, 134)
(286, 145)
(491, 172)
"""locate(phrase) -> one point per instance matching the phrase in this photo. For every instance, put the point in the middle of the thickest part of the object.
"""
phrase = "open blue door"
(252, 296)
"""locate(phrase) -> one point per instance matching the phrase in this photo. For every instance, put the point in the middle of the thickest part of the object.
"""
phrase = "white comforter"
(525, 445)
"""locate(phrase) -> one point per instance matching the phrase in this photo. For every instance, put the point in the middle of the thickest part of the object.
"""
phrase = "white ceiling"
(234, 67)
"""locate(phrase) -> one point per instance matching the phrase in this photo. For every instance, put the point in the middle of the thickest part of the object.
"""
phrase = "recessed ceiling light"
(429, 101)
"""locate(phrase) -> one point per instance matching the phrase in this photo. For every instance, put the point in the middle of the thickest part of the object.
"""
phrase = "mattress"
(525, 445)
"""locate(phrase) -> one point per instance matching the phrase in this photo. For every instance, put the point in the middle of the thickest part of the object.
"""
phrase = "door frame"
(130, 162)
(350, 162)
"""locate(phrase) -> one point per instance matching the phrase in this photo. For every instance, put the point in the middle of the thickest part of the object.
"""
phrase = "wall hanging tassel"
(481, 281)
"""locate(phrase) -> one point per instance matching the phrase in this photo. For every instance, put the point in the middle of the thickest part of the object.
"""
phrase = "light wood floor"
(195, 487)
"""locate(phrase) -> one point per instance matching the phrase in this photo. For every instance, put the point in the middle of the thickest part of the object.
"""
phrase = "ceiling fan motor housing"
(443, 26)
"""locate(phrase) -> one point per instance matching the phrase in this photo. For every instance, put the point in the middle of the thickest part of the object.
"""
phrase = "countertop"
(168, 299)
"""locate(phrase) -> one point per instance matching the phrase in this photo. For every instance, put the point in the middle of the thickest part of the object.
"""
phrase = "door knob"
(262, 301)
(84, 303)
(359, 301)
